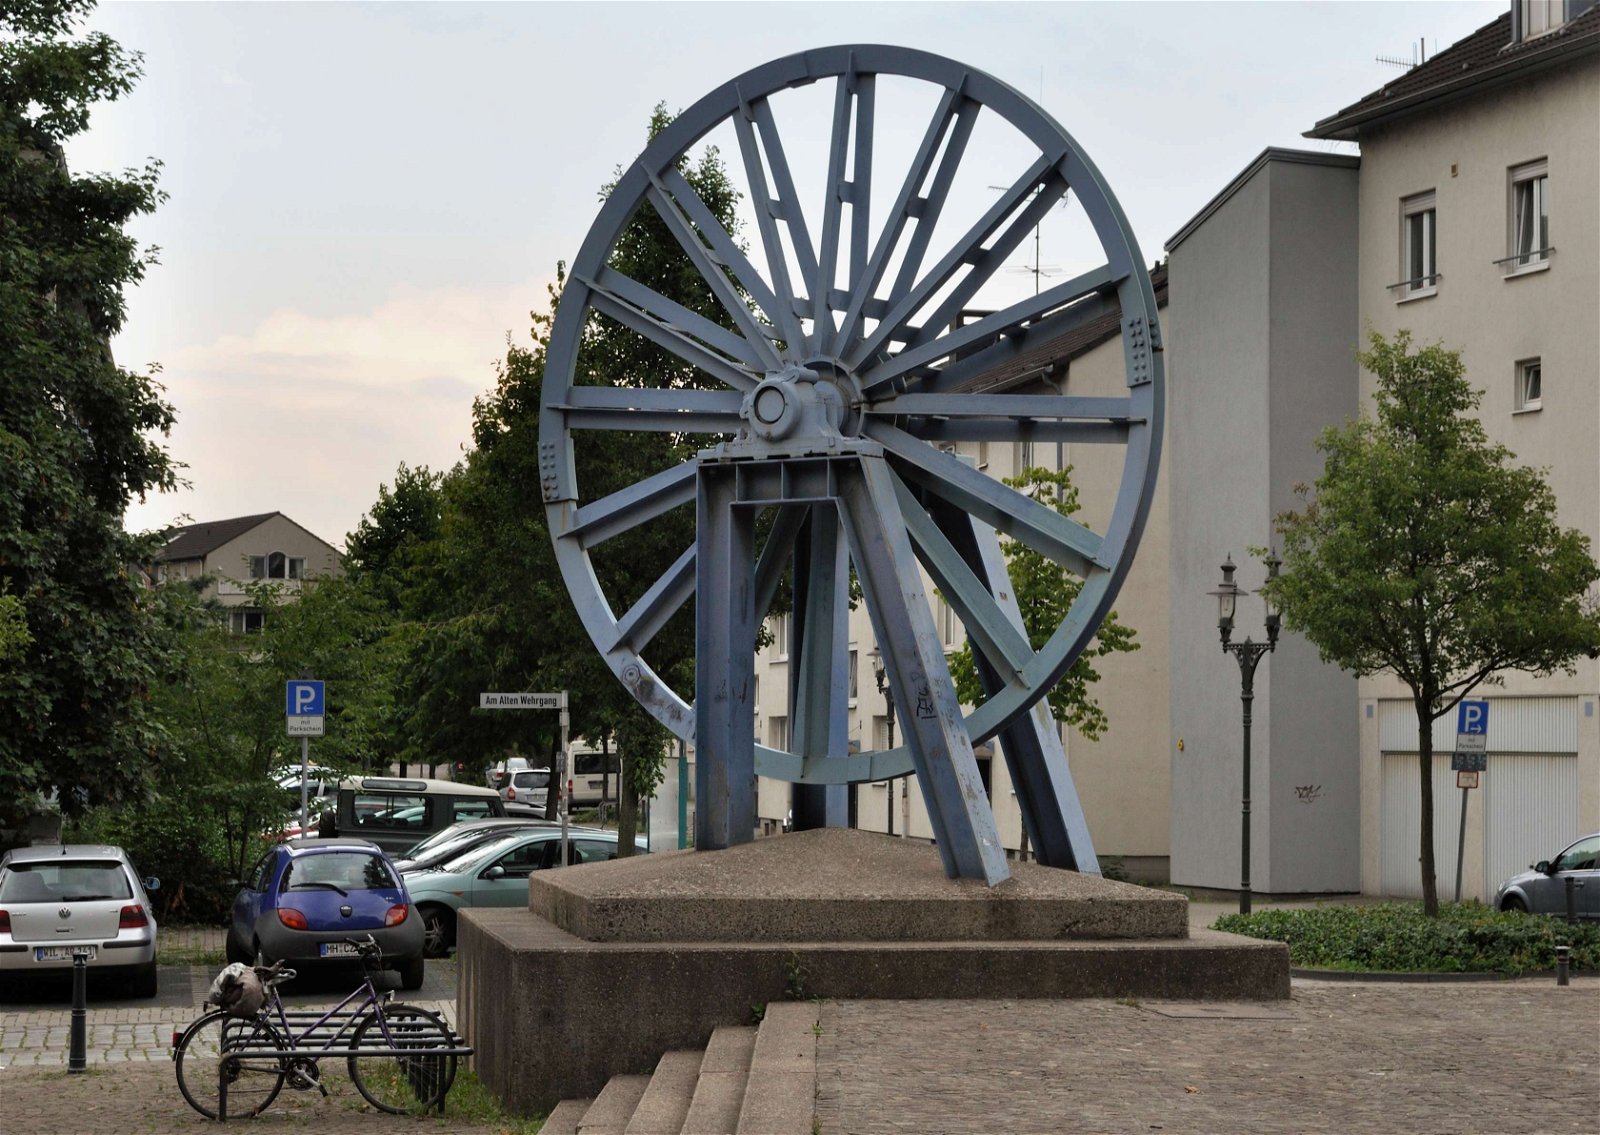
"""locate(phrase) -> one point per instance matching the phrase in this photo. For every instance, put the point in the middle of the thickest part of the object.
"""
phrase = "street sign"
(1465, 780)
(523, 701)
(304, 698)
(1472, 737)
(304, 701)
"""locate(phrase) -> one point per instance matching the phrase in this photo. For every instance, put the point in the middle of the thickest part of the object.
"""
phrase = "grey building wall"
(1262, 323)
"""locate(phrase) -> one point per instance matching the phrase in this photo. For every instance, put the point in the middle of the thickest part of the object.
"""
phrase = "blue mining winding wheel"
(803, 410)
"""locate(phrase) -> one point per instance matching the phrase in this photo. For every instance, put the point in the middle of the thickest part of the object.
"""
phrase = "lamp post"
(887, 690)
(1248, 654)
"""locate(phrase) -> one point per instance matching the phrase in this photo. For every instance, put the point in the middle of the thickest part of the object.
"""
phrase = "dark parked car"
(65, 899)
(1542, 888)
(305, 898)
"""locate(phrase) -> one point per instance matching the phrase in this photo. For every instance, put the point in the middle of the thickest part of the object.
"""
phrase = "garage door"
(1531, 801)
(1402, 827)
(1533, 811)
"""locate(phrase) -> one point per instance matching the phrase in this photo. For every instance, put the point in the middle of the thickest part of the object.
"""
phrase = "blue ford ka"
(306, 897)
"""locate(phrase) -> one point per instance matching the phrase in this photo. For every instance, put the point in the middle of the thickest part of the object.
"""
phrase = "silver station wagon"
(59, 901)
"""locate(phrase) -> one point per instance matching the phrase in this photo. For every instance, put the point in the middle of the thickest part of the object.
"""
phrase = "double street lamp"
(1248, 654)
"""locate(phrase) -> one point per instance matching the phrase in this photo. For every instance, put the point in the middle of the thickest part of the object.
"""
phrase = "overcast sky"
(366, 200)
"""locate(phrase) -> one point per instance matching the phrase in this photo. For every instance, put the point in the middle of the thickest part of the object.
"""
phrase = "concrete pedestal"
(616, 963)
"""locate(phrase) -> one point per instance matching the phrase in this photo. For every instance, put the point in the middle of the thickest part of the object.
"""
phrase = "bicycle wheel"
(206, 1065)
(406, 1079)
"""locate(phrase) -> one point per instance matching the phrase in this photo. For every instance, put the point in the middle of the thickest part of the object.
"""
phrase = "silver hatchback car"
(1542, 888)
(59, 901)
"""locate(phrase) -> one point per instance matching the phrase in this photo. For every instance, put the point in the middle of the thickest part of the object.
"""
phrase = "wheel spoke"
(1038, 526)
(990, 328)
(768, 212)
(650, 409)
(656, 606)
(968, 252)
(694, 226)
(676, 317)
(951, 104)
(985, 622)
(628, 508)
(860, 197)
(832, 209)
(1001, 417)
(1040, 338)
(990, 260)
(671, 339)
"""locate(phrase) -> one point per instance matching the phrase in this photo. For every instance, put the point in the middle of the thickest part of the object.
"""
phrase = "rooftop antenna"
(1419, 55)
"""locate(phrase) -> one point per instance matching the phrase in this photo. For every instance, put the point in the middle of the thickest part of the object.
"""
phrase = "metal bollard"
(77, 1053)
(1561, 964)
(1572, 902)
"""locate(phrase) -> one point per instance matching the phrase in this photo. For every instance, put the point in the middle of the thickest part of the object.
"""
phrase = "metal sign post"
(1469, 759)
(557, 700)
(304, 704)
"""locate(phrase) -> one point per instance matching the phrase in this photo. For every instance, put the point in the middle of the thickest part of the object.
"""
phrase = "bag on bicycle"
(238, 991)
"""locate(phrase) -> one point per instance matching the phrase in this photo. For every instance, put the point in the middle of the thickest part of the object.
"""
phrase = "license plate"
(339, 950)
(61, 953)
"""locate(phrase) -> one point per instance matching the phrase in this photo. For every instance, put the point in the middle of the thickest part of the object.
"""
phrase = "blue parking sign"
(1474, 717)
(304, 698)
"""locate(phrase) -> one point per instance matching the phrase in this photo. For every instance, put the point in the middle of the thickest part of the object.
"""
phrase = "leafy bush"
(1398, 937)
(186, 852)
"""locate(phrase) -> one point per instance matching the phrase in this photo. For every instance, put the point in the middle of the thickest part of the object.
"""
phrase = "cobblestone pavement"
(1346, 1057)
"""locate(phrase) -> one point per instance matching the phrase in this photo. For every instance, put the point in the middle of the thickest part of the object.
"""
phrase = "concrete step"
(780, 1094)
(719, 1093)
(565, 1118)
(613, 1107)
(666, 1100)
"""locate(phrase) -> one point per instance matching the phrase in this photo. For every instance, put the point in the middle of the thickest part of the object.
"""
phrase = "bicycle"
(400, 1057)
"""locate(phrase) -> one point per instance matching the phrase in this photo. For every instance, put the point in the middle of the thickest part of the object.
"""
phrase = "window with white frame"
(854, 676)
(277, 565)
(778, 733)
(780, 636)
(1530, 216)
(1540, 16)
(1419, 262)
(1530, 382)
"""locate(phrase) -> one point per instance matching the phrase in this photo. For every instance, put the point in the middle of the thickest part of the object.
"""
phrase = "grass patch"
(1397, 937)
(469, 1101)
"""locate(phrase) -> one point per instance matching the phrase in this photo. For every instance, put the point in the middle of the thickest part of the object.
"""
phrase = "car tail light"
(511, 793)
(5, 922)
(292, 918)
(132, 918)
(396, 915)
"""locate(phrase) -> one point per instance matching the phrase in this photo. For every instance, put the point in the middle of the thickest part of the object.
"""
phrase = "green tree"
(495, 608)
(1425, 553)
(1045, 592)
(79, 435)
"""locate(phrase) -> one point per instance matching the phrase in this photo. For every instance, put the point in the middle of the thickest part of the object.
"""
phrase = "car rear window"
(533, 779)
(347, 870)
(65, 881)
(391, 811)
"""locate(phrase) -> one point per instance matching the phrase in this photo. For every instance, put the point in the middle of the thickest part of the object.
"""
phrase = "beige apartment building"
(243, 550)
(1480, 228)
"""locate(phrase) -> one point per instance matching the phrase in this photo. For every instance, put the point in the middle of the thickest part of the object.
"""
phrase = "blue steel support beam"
(724, 676)
(930, 714)
(819, 673)
(1051, 811)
